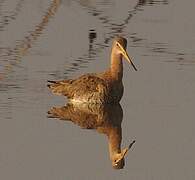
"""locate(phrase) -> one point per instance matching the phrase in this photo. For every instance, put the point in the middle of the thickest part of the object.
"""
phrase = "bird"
(104, 119)
(97, 88)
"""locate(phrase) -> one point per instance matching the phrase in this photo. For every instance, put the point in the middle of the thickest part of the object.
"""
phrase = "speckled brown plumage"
(97, 88)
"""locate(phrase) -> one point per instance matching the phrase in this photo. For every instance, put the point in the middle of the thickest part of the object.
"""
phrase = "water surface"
(41, 40)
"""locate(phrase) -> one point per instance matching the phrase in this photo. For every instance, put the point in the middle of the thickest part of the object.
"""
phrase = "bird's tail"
(56, 87)
(49, 81)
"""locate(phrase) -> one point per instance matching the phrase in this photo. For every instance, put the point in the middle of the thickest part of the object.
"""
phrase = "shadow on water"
(11, 56)
(105, 120)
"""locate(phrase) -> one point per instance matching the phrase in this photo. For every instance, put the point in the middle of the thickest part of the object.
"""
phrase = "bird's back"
(88, 88)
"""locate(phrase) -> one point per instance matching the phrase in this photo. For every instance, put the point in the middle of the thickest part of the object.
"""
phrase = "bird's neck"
(114, 138)
(116, 67)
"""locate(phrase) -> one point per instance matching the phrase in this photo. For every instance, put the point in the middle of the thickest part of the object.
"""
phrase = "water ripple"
(11, 56)
(114, 29)
(8, 16)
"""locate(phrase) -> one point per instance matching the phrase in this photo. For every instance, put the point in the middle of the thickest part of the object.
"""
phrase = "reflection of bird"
(105, 119)
(100, 88)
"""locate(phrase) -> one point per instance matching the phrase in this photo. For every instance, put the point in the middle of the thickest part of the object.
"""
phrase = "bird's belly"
(113, 95)
(92, 98)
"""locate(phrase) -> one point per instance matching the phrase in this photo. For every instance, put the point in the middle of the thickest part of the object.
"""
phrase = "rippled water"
(41, 40)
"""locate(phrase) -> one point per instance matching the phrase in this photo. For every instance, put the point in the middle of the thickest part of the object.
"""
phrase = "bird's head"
(119, 47)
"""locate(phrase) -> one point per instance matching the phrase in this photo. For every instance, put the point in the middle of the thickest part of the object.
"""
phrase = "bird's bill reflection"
(104, 119)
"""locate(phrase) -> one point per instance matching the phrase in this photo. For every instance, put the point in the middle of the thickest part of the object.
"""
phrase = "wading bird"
(97, 88)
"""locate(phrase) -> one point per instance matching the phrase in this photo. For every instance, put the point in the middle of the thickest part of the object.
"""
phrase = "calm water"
(42, 39)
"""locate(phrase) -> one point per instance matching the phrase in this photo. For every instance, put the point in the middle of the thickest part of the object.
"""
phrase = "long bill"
(126, 56)
(127, 149)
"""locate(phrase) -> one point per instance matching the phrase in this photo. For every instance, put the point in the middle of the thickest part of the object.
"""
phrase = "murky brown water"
(41, 40)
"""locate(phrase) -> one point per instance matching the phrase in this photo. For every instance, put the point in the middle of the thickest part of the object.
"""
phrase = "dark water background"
(42, 39)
